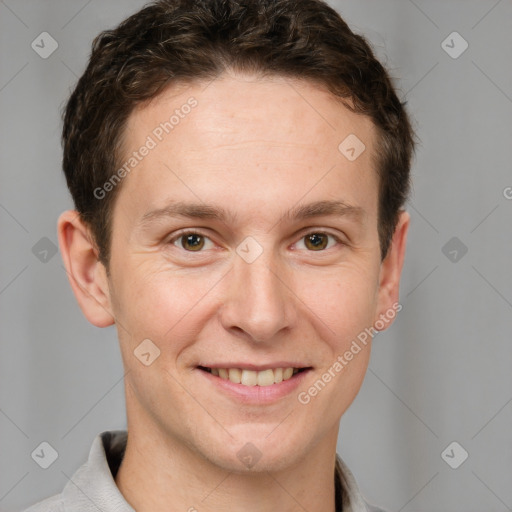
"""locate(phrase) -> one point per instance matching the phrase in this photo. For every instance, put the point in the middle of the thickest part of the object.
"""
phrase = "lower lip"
(257, 394)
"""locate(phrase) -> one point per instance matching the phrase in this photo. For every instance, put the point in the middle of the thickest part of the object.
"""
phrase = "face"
(245, 245)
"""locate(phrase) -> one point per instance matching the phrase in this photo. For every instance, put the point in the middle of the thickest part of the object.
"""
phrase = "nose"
(259, 303)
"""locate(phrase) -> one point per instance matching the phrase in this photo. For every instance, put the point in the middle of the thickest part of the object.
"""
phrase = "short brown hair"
(185, 40)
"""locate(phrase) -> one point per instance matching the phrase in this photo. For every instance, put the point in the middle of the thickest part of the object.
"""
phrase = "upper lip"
(255, 367)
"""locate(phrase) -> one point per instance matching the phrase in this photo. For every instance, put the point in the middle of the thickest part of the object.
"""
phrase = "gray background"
(441, 373)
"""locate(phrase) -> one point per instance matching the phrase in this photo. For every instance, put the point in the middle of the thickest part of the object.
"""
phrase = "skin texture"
(256, 147)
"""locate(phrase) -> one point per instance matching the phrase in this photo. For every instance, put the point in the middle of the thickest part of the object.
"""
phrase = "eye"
(191, 241)
(319, 241)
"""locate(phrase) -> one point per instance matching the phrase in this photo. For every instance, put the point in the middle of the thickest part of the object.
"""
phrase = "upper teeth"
(253, 378)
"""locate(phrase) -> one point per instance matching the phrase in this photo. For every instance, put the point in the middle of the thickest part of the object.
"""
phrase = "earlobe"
(391, 268)
(86, 273)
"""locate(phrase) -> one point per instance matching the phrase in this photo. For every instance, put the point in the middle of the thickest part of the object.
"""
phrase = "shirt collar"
(93, 487)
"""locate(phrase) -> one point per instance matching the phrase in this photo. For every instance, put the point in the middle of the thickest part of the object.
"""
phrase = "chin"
(266, 463)
(253, 450)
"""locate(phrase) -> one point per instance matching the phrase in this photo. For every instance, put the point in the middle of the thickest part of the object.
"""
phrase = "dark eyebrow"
(322, 208)
(205, 211)
(189, 210)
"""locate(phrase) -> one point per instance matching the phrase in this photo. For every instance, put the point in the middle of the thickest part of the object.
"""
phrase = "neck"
(159, 473)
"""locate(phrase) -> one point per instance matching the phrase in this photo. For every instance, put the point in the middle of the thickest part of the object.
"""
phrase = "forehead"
(247, 143)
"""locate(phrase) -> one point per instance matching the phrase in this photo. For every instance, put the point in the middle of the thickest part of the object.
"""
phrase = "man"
(239, 169)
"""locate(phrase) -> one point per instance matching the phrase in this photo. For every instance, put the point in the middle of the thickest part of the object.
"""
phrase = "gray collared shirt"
(93, 488)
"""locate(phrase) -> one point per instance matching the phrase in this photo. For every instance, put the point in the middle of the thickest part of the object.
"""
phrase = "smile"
(246, 377)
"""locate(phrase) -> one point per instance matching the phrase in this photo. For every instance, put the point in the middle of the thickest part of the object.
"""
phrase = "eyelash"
(183, 234)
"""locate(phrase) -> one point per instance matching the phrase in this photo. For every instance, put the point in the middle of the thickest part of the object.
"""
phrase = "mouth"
(247, 377)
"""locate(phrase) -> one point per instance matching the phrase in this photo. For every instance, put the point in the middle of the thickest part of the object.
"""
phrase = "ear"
(87, 275)
(391, 269)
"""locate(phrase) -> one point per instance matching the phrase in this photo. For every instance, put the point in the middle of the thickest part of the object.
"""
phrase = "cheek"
(345, 301)
(162, 304)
